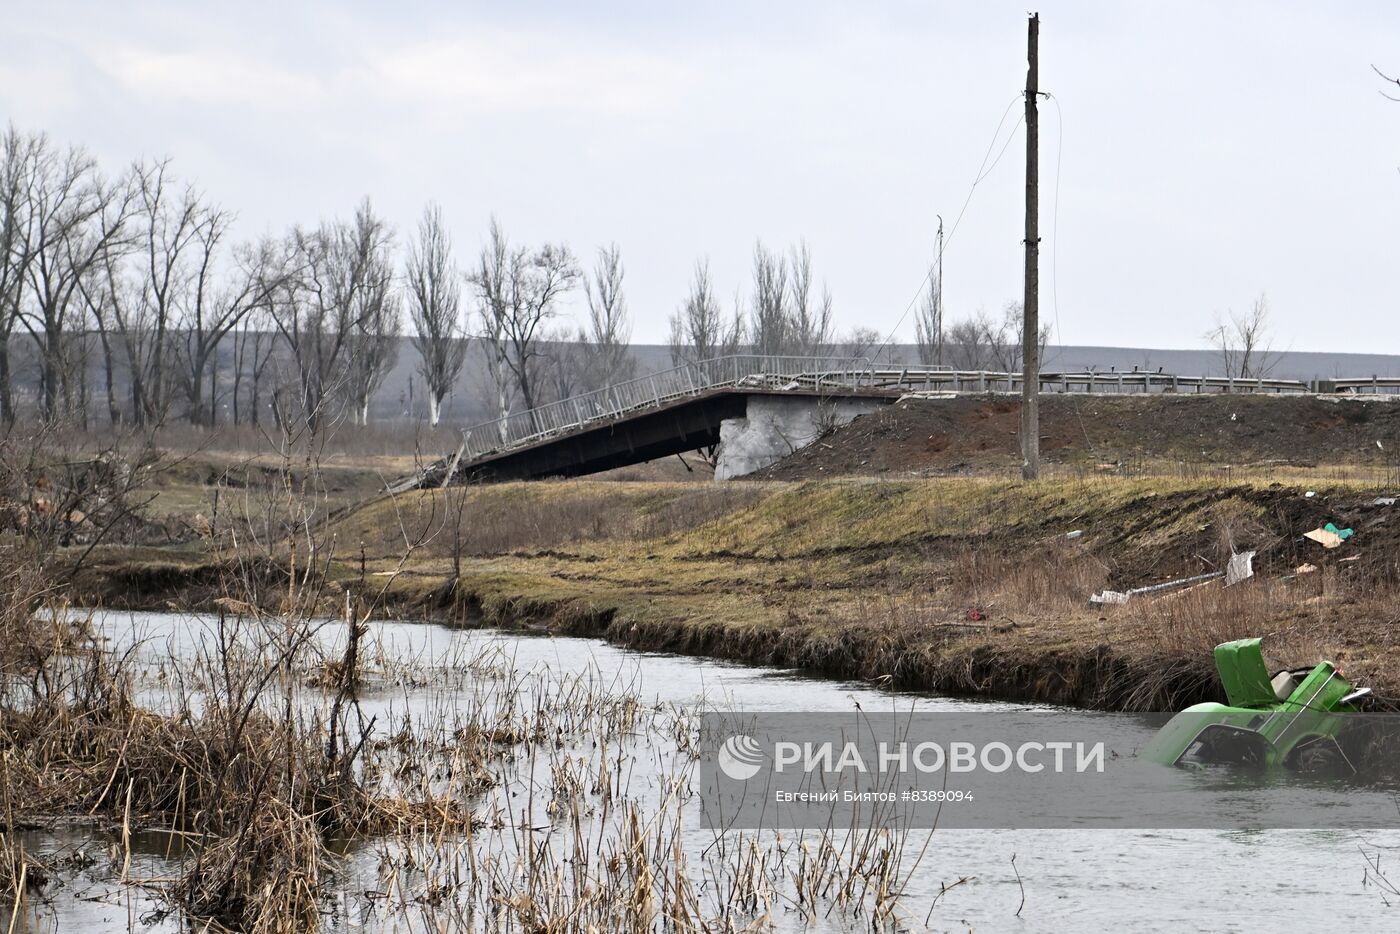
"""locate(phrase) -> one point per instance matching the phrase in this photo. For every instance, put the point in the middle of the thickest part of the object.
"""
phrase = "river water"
(1061, 880)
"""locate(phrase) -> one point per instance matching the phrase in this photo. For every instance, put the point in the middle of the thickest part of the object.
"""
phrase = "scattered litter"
(974, 615)
(1310, 494)
(1241, 567)
(1233, 416)
(1109, 597)
(1329, 536)
(1324, 538)
(1383, 501)
(1078, 532)
(1115, 596)
(1352, 558)
(1305, 569)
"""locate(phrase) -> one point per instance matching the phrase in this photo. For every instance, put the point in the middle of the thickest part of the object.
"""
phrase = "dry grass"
(536, 517)
(876, 579)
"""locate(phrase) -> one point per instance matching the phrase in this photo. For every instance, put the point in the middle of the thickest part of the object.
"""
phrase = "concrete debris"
(1075, 534)
(1383, 501)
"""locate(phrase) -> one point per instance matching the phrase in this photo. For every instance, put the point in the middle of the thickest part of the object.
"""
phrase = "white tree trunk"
(434, 408)
(503, 406)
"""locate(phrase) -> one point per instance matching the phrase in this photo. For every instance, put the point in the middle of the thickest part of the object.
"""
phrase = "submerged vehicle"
(1290, 719)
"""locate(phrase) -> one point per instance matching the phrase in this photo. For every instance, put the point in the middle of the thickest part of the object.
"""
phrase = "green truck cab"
(1289, 719)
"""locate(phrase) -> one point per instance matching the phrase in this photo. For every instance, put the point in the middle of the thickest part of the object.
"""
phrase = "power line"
(983, 171)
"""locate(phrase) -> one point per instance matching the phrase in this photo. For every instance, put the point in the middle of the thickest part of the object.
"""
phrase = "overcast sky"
(1211, 151)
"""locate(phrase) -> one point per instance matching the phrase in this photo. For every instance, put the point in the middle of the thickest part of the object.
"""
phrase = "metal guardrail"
(1379, 385)
(817, 375)
(1135, 381)
(655, 389)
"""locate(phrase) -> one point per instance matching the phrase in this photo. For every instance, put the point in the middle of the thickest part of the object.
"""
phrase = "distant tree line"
(140, 308)
(133, 277)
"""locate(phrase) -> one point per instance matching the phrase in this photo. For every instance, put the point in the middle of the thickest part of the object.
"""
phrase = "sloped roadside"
(977, 434)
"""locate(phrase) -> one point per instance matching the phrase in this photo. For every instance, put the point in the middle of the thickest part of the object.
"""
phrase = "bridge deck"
(680, 410)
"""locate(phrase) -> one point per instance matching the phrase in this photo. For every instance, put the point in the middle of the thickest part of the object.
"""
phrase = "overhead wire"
(983, 171)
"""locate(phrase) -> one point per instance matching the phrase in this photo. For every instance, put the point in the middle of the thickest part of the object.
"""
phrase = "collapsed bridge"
(756, 409)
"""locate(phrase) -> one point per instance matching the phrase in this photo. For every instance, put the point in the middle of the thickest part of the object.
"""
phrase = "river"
(1061, 879)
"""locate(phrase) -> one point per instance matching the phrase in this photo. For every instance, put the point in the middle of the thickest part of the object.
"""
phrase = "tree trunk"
(52, 365)
(255, 398)
(434, 408)
(240, 356)
(503, 406)
(196, 399)
(7, 400)
(214, 387)
(114, 412)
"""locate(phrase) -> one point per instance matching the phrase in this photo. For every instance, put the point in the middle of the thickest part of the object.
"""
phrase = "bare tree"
(1005, 343)
(374, 339)
(18, 153)
(769, 321)
(860, 342)
(79, 220)
(603, 342)
(434, 305)
(143, 300)
(561, 369)
(517, 290)
(1243, 342)
(177, 239)
(102, 320)
(317, 309)
(213, 307)
(928, 321)
(699, 330)
(809, 330)
(971, 342)
(982, 342)
(253, 346)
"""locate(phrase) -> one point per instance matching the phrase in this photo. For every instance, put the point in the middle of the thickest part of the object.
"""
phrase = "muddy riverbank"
(974, 588)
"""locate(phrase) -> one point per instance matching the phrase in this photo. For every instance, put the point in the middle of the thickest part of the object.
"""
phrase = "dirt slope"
(975, 434)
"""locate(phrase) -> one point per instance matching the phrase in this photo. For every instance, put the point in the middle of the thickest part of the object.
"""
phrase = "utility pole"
(938, 358)
(1030, 324)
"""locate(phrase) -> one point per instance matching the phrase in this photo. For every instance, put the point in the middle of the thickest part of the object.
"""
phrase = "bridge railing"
(1126, 381)
(1379, 385)
(816, 374)
(654, 389)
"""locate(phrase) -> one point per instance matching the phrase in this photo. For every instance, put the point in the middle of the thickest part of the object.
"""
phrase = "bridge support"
(775, 426)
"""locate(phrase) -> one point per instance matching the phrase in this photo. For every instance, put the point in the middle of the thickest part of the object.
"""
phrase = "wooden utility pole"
(1030, 305)
(938, 358)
